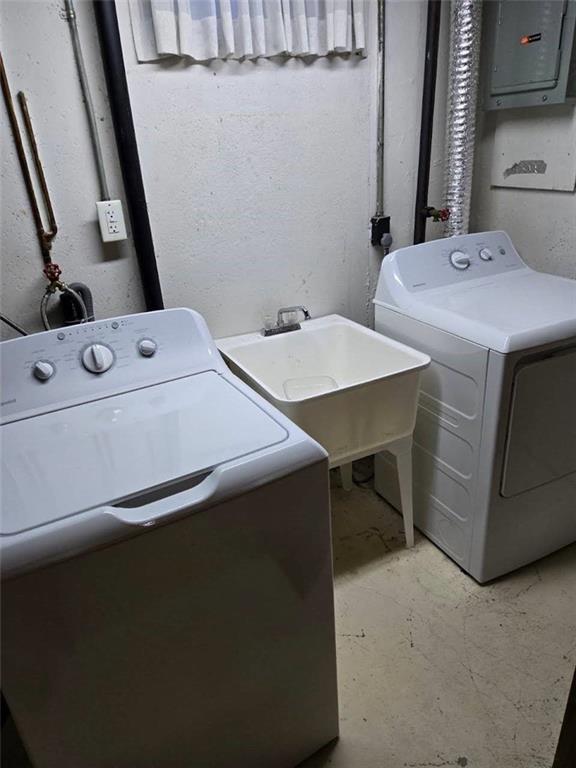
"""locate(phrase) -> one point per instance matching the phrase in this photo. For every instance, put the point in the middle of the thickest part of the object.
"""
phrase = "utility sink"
(350, 388)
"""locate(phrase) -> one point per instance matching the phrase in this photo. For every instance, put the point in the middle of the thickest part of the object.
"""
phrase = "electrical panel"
(529, 53)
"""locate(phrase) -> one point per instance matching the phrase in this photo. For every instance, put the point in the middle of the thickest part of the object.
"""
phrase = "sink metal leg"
(346, 480)
(402, 450)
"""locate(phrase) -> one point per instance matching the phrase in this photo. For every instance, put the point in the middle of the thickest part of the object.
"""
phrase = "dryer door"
(541, 442)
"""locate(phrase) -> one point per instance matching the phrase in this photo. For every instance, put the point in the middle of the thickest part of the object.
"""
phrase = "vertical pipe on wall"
(465, 28)
(427, 118)
(113, 61)
(381, 93)
(70, 12)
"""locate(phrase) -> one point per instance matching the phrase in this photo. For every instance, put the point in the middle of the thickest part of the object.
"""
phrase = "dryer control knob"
(147, 347)
(97, 358)
(43, 370)
(459, 260)
(485, 254)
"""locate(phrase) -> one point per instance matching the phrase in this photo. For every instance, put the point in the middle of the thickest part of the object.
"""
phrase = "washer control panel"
(147, 347)
(453, 260)
(54, 369)
(43, 370)
(97, 358)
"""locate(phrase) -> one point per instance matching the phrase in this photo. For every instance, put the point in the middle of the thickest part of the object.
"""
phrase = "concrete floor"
(435, 670)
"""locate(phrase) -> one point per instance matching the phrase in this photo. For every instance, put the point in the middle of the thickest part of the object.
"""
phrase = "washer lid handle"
(171, 501)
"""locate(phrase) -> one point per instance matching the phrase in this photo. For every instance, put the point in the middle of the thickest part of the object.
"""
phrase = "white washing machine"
(495, 438)
(166, 556)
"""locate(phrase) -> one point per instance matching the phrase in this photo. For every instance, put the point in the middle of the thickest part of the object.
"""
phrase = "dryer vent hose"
(463, 73)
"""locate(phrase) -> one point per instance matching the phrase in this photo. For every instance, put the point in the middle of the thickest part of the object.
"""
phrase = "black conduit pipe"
(113, 61)
(427, 119)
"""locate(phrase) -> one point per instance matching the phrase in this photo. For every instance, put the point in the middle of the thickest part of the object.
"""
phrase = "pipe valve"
(437, 214)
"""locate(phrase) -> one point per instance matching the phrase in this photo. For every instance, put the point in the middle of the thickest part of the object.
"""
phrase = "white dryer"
(495, 438)
(166, 557)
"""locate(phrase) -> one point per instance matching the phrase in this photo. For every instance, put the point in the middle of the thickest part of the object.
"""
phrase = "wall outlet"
(111, 220)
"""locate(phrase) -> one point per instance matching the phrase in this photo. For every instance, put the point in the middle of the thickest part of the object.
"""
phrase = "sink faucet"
(282, 325)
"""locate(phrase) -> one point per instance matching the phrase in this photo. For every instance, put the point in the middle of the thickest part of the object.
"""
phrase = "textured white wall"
(258, 178)
(542, 224)
(259, 175)
(405, 42)
(38, 57)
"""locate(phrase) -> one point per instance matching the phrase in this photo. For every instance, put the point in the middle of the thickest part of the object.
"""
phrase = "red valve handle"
(52, 272)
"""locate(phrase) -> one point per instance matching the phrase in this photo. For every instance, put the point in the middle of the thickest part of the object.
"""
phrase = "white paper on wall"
(535, 148)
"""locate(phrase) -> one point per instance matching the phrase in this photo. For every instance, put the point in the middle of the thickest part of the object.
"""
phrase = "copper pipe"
(45, 237)
(49, 235)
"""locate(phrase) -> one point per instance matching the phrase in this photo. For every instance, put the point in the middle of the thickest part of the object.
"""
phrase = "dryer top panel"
(477, 287)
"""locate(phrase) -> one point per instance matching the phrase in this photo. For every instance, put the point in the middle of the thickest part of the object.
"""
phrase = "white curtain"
(233, 29)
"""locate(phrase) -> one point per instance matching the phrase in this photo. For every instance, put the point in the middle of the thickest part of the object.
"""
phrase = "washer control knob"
(459, 260)
(97, 358)
(43, 370)
(147, 347)
(485, 254)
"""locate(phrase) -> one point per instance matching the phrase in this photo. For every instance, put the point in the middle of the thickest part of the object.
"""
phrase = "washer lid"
(65, 462)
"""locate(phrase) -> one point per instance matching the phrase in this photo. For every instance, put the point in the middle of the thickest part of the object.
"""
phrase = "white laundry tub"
(350, 388)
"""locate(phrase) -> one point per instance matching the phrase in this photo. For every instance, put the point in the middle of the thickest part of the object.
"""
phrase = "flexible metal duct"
(465, 27)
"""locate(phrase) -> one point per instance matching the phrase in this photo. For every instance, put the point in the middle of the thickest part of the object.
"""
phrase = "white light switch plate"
(111, 220)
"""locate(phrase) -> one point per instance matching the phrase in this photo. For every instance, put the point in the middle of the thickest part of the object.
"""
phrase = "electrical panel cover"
(529, 52)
